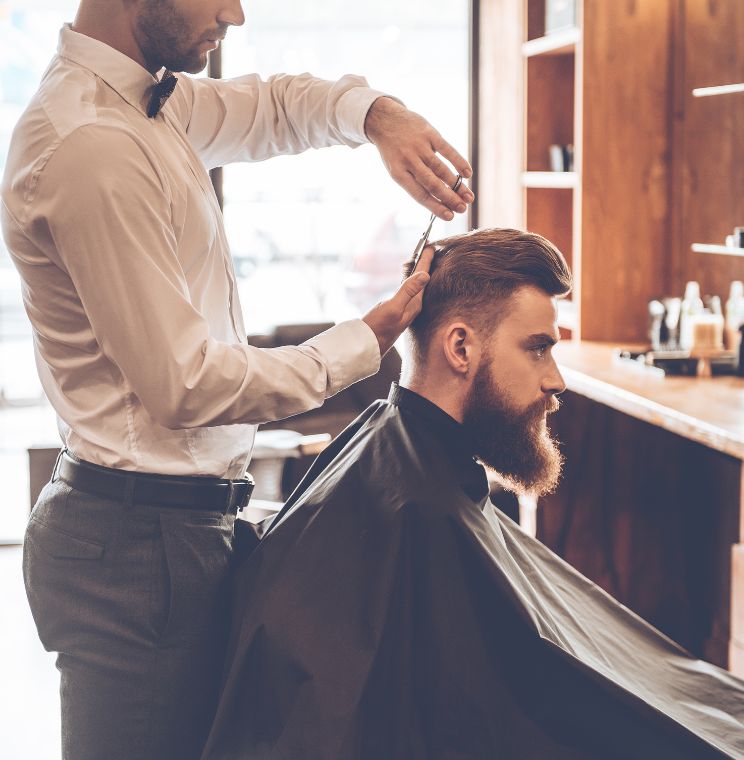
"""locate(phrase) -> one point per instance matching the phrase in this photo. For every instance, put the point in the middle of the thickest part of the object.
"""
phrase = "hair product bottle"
(692, 305)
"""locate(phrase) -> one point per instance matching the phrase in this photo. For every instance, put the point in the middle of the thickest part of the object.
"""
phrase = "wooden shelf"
(724, 89)
(726, 250)
(558, 43)
(550, 179)
(564, 89)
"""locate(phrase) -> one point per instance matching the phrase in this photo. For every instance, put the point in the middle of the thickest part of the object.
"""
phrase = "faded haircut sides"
(474, 275)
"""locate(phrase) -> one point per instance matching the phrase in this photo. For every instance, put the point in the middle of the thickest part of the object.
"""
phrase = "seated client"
(392, 613)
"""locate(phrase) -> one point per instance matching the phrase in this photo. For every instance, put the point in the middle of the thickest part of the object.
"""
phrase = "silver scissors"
(425, 237)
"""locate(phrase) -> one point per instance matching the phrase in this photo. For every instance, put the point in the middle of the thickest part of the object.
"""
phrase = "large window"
(323, 236)
(317, 237)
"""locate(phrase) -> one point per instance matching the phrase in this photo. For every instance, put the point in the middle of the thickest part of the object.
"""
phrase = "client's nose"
(553, 382)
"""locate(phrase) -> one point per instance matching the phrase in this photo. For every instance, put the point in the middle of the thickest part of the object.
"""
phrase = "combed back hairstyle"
(474, 275)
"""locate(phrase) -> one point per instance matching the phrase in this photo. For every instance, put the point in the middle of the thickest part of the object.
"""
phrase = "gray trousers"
(134, 600)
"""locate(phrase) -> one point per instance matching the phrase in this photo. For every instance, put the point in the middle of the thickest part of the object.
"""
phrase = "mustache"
(216, 34)
(545, 406)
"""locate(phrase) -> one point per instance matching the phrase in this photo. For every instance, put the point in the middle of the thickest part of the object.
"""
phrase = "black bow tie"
(160, 92)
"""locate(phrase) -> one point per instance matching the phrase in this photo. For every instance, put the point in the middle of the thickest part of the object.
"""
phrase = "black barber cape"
(392, 613)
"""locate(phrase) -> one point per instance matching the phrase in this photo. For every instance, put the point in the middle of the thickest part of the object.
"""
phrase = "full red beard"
(515, 443)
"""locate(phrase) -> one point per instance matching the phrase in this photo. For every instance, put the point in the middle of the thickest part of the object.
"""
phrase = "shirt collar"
(124, 75)
(454, 438)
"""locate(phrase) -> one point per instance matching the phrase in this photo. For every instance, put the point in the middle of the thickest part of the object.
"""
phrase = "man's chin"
(191, 65)
(198, 65)
(539, 478)
(522, 487)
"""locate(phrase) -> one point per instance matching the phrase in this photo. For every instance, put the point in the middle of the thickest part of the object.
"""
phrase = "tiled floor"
(29, 699)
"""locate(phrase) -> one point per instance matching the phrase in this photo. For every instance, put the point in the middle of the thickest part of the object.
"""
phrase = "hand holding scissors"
(425, 237)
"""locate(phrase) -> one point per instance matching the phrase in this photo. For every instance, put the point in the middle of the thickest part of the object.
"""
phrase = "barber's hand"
(411, 148)
(389, 318)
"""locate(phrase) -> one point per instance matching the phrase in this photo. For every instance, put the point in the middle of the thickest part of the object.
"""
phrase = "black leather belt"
(209, 494)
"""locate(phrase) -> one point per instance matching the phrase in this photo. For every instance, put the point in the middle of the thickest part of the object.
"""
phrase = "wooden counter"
(707, 410)
(652, 502)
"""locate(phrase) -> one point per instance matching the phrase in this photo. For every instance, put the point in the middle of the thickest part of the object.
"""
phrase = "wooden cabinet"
(603, 87)
(651, 502)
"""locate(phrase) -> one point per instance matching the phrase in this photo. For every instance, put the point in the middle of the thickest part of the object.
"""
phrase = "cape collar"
(130, 80)
(454, 438)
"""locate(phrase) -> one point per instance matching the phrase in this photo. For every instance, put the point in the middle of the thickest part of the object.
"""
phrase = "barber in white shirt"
(110, 217)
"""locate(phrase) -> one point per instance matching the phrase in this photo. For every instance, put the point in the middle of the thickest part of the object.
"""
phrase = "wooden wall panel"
(626, 164)
(549, 214)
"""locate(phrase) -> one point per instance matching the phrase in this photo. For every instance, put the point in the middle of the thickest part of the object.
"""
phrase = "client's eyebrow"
(540, 338)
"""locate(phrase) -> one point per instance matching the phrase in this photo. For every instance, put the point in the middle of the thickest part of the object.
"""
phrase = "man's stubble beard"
(167, 39)
(516, 444)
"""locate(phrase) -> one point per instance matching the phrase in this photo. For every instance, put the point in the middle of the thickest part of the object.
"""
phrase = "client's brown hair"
(474, 275)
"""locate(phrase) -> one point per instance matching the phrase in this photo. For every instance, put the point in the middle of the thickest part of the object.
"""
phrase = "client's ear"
(460, 348)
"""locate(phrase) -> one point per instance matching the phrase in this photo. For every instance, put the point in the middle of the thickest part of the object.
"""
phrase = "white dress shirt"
(112, 222)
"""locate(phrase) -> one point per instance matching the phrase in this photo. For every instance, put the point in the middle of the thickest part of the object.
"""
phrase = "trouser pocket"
(58, 567)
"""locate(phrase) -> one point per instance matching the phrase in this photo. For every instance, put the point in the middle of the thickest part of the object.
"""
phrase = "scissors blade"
(425, 237)
(422, 244)
(417, 252)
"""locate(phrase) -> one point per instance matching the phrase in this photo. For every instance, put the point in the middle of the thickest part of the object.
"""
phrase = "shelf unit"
(550, 73)
(726, 250)
(721, 89)
(609, 215)
(709, 92)
(707, 183)
(556, 43)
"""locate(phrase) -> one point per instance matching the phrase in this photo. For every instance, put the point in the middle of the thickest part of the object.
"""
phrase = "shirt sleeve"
(251, 119)
(113, 236)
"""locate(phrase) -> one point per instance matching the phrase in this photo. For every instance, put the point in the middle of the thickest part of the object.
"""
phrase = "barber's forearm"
(250, 119)
(244, 384)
